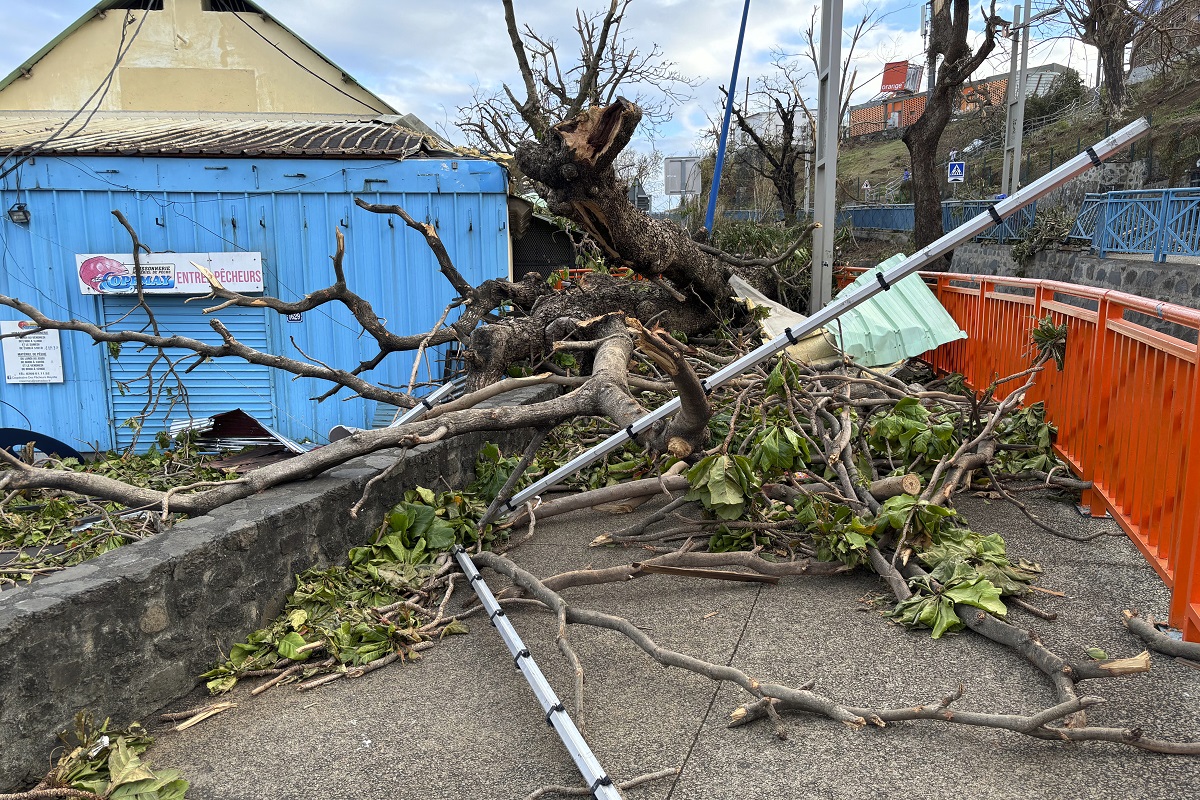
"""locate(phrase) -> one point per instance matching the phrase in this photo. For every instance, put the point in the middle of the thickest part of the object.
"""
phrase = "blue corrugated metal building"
(277, 188)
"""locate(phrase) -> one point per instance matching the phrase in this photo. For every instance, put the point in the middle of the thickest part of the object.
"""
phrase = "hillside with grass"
(1171, 101)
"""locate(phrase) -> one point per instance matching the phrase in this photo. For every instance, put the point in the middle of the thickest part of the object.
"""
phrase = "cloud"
(424, 58)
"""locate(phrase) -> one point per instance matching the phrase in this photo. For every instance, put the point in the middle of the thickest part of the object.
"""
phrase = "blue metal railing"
(1155, 222)
(899, 217)
(1085, 222)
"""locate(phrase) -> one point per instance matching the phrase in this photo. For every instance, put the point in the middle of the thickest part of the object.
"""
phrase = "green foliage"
(985, 554)
(933, 600)
(767, 240)
(926, 518)
(777, 448)
(49, 529)
(1051, 339)
(840, 535)
(335, 610)
(1065, 89)
(909, 429)
(1050, 227)
(723, 484)
(1028, 430)
(110, 765)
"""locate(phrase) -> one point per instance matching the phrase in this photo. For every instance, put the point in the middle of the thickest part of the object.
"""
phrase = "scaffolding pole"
(593, 774)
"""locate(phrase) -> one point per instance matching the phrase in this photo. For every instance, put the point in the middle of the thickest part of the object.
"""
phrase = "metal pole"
(930, 59)
(1022, 89)
(1014, 130)
(828, 119)
(994, 215)
(1011, 106)
(556, 715)
(729, 97)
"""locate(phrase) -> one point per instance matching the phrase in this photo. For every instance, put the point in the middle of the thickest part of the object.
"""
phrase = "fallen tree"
(794, 472)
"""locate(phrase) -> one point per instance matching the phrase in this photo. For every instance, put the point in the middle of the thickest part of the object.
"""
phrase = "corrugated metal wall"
(287, 210)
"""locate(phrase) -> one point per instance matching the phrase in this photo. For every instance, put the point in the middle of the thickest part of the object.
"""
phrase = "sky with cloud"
(425, 58)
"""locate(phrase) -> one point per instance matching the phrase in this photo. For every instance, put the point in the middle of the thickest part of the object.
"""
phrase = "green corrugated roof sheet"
(903, 322)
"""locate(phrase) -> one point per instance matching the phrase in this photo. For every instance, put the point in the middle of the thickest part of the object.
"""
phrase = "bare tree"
(607, 65)
(777, 120)
(1109, 26)
(949, 31)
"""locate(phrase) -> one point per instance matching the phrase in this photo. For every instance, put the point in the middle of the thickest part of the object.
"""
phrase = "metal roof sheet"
(903, 322)
(246, 135)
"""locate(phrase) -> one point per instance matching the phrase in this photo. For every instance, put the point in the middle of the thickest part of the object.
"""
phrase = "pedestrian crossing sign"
(956, 171)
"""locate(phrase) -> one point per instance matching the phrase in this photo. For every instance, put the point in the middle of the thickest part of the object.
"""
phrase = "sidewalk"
(462, 723)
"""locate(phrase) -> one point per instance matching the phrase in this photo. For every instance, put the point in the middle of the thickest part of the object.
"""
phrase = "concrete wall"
(188, 59)
(130, 631)
(1171, 282)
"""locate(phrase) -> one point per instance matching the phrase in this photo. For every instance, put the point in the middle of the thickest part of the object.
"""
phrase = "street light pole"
(828, 120)
(1014, 128)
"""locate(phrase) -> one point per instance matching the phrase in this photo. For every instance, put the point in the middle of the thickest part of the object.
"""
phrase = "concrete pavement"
(462, 723)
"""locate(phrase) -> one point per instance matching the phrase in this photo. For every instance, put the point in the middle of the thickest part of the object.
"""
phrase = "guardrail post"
(1185, 555)
(1099, 378)
(1160, 236)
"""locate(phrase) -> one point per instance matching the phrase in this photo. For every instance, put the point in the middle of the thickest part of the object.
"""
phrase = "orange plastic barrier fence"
(1126, 403)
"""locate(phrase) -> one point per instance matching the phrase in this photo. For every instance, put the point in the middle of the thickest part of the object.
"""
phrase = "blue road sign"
(956, 171)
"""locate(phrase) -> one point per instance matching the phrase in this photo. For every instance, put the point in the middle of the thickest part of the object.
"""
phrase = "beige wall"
(187, 59)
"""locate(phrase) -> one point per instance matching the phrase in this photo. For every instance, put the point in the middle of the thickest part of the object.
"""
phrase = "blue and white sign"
(956, 171)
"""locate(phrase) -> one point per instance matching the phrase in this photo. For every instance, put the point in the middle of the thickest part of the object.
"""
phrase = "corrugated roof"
(247, 135)
(901, 323)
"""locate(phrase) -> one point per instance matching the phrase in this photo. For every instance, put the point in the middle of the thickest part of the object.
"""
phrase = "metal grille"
(544, 248)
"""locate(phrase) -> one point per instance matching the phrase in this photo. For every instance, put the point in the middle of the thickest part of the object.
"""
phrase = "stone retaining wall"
(130, 630)
(1172, 282)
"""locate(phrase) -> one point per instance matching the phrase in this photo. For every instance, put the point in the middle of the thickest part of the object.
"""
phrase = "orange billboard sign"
(895, 76)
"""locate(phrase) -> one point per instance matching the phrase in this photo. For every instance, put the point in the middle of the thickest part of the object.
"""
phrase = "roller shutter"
(214, 386)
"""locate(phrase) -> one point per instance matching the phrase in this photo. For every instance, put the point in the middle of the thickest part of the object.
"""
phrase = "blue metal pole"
(729, 96)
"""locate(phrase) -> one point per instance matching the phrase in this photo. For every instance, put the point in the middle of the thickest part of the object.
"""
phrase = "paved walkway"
(462, 723)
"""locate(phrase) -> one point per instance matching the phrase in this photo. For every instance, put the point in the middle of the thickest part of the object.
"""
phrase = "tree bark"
(573, 161)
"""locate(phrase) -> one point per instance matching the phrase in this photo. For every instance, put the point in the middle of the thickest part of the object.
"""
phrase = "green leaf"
(944, 618)
(124, 766)
(289, 645)
(1096, 654)
(440, 536)
(221, 685)
(297, 617)
(979, 593)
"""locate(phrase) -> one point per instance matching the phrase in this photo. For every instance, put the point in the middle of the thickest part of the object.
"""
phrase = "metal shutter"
(214, 386)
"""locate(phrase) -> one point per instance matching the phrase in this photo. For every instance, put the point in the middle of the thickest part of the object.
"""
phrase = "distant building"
(1174, 32)
(901, 109)
(769, 127)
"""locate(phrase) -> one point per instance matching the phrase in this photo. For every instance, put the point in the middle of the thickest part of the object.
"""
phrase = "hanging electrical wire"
(101, 91)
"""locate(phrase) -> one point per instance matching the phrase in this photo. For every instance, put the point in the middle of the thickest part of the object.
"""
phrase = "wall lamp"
(19, 214)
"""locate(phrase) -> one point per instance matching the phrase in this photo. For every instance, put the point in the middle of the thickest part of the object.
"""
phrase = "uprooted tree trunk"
(574, 163)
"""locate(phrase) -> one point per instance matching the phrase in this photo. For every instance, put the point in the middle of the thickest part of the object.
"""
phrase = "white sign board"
(956, 171)
(168, 273)
(36, 358)
(681, 175)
